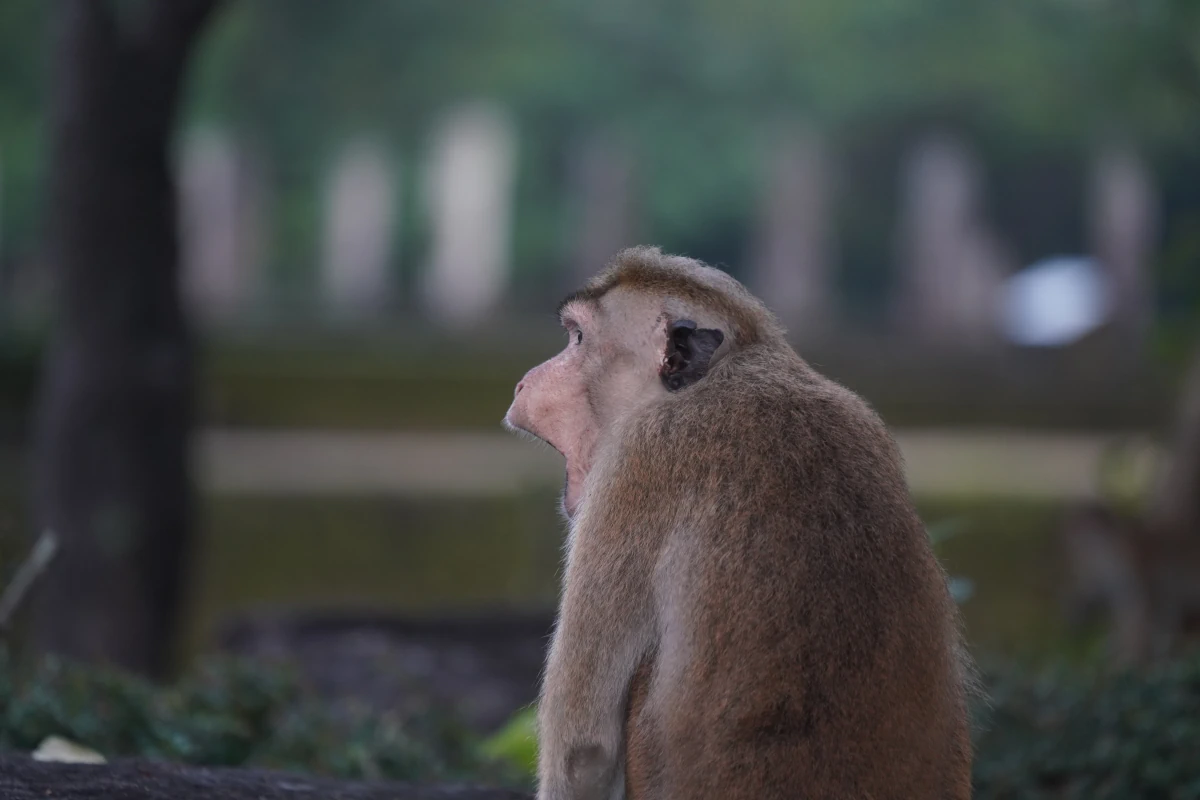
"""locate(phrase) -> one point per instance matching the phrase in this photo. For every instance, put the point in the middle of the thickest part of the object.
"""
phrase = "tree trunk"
(111, 461)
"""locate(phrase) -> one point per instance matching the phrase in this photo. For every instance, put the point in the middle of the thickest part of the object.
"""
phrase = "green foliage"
(22, 76)
(693, 89)
(1040, 736)
(694, 85)
(1126, 735)
(1179, 291)
(516, 743)
(1053, 736)
(230, 713)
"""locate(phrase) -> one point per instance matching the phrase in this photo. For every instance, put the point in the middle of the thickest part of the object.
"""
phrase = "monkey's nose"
(520, 386)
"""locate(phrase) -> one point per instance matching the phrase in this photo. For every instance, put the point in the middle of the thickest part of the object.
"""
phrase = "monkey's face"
(608, 367)
(626, 350)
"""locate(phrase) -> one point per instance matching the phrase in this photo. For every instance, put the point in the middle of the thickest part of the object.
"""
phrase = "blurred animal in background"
(1142, 579)
(1103, 582)
(1132, 555)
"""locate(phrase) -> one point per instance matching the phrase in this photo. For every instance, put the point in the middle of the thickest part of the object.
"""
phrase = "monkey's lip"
(520, 429)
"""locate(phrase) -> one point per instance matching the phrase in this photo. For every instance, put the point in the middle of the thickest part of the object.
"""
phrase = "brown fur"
(641, 759)
(751, 608)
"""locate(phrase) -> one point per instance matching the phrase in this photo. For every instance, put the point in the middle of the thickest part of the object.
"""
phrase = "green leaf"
(516, 742)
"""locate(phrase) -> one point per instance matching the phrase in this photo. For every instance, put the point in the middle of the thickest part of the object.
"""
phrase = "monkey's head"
(641, 332)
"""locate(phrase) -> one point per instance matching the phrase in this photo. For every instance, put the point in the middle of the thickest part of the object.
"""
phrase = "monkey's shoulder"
(789, 404)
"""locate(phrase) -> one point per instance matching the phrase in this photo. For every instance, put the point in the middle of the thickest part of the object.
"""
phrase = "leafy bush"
(1105, 737)
(516, 742)
(1054, 735)
(232, 713)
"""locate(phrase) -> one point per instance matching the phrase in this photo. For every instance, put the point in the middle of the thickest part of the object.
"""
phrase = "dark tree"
(111, 464)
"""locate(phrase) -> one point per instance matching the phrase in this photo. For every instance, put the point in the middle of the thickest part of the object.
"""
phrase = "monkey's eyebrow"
(570, 299)
(570, 309)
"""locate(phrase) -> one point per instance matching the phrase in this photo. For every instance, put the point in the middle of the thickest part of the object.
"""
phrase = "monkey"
(1135, 563)
(1102, 577)
(1167, 561)
(1136, 571)
(750, 606)
(639, 765)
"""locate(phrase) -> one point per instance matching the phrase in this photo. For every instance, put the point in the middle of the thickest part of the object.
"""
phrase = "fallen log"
(22, 778)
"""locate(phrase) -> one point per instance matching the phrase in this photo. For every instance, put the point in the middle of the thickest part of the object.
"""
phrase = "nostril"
(520, 386)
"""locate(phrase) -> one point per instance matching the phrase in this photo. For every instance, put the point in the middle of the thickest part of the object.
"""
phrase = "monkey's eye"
(578, 337)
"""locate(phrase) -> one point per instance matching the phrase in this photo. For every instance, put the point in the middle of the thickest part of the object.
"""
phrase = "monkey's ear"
(688, 354)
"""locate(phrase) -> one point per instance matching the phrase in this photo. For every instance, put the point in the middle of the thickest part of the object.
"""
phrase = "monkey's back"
(808, 646)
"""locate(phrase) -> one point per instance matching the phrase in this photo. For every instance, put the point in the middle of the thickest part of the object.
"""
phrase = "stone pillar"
(601, 184)
(952, 263)
(360, 216)
(469, 188)
(217, 245)
(1123, 227)
(793, 250)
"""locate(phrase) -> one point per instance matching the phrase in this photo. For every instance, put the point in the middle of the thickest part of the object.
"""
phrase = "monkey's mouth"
(568, 507)
(525, 433)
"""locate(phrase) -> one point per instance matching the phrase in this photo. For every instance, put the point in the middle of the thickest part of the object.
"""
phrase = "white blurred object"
(470, 182)
(1123, 222)
(1055, 302)
(793, 247)
(952, 260)
(214, 278)
(55, 748)
(360, 214)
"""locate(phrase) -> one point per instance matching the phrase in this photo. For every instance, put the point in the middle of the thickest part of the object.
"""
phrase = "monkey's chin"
(568, 510)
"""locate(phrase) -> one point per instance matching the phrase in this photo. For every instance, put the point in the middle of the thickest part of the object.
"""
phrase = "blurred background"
(270, 270)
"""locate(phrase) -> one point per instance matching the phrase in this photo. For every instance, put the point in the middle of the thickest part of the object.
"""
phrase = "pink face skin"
(611, 359)
(551, 402)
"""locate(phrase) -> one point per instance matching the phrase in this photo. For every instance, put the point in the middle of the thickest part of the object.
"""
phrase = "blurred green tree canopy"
(694, 84)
